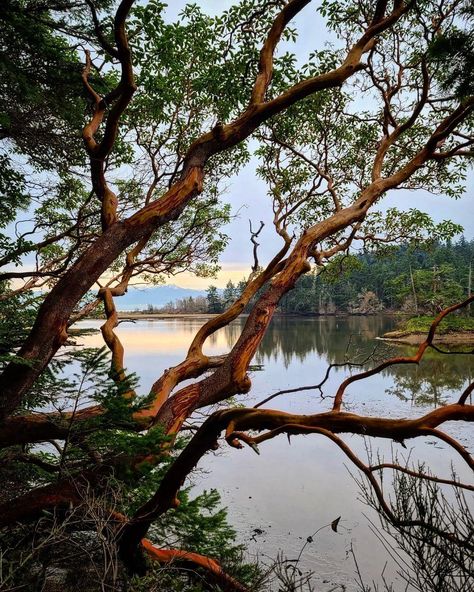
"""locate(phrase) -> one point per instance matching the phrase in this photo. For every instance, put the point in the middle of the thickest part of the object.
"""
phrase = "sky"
(247, 194)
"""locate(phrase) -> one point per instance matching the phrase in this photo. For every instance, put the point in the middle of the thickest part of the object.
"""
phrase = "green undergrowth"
(450, 324)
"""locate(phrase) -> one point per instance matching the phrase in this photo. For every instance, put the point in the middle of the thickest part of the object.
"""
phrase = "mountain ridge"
(156, 296)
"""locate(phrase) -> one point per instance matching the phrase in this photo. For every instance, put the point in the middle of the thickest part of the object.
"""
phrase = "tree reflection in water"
(433, 380)
(339, 339)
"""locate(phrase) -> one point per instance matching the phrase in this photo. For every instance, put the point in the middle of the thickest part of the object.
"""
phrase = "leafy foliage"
(193, 76)
(447, 325)
(453, 51)
(40, 97)
(440, 274)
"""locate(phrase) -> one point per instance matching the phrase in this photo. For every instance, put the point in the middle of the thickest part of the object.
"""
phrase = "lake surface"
(290, 491)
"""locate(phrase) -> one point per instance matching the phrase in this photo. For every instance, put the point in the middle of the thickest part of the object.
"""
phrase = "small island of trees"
(415, 280)
(122, 126)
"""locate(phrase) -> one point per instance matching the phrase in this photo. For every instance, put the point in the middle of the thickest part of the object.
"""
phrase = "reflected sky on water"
(289, 491)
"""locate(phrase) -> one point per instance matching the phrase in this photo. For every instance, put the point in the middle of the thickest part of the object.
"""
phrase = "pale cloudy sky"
(247, 194)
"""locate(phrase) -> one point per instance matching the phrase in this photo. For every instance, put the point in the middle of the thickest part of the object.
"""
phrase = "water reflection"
(297, 351)
(328, 337)
(435, 381)
(290, 491)
(432, 382)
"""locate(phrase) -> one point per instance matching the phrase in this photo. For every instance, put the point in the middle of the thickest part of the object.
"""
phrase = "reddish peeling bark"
(238, 421)
(231, 378)
(415, 359)
(49, 330)
(194, 560)
(29, 506)
(170, 409)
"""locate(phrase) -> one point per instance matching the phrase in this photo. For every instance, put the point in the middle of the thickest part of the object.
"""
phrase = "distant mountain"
(140, 298)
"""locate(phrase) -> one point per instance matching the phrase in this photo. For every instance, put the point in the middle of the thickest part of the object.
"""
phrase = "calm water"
(289, 491)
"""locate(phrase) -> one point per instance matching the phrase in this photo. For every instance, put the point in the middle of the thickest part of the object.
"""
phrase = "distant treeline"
(417, 280)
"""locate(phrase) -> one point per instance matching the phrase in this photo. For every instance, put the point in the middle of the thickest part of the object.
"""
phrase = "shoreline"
(453, 338)
(124, 315)
(401, 337)
(153, 316)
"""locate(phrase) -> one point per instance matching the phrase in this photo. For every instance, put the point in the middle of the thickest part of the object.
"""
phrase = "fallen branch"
(227, 582)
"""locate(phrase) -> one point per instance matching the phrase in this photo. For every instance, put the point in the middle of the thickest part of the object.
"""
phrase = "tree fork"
(237, 421)
(49, 330)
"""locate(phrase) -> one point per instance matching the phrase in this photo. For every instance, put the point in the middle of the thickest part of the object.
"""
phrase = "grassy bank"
(452, 330)
(450, 324)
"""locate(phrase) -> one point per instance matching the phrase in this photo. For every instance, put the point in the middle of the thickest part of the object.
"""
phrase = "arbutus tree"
(171, 108)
